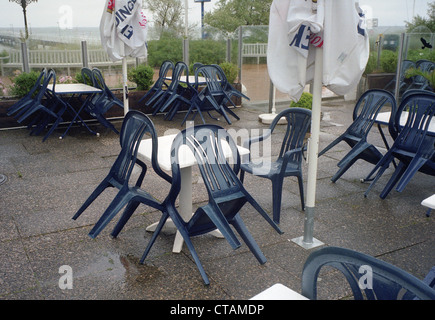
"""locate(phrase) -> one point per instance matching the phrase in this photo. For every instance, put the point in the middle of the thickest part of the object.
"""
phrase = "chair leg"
(120, 200)
(277, 198)
(240, 227)
(398, 173)
(301, 191)
(128, 212)
(376, 178)
(98, 190)
(154, 237)
(260, 210)
(343, 169)
(242, 175)
(410, 171)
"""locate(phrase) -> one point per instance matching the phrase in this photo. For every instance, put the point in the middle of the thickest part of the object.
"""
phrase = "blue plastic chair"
(229, 89)
(403, 83)
(160, 85)
(213, 96)
(289, 160)
(413, 146)
(226, 193)
(100, 103)
(175, 92)
(29, 98)
(44, 113)
(134, 127)
(366, 109)
(369, 278)
(418, 81)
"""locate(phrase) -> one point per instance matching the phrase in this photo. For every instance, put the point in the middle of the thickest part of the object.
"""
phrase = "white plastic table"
(186, 161)
(72, 89)
(430, 203)
(279, 292)
(384, 118)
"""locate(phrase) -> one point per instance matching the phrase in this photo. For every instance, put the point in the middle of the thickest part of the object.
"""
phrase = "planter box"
(133, 101)
(379, 80)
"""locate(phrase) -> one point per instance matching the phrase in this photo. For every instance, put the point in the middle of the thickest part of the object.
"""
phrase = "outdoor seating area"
(45, 106)
(119, 264)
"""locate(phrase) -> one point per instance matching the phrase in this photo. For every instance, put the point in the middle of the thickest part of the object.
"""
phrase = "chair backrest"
(179, 69)
(88, 77)
(411, 136)
(39, 82)
(165, 67)
(206, 144)
(406, 64)
(213, 78)
(298, 123)
(367, 108)
(368, 277)
(50, 76)
(134, 127)
(101, 83)
(424, 66)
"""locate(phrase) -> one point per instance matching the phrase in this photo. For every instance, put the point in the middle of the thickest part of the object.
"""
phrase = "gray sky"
(87, 13)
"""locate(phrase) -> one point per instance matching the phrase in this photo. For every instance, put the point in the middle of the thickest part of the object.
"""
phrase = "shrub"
(23, 83)
(231, 71)
(305, 101)
(389, 61)
(142, 75)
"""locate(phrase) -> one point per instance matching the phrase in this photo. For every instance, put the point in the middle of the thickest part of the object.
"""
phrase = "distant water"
(75, 35)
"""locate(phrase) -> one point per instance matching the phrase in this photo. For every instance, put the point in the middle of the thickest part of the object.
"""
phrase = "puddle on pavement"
(120, 267)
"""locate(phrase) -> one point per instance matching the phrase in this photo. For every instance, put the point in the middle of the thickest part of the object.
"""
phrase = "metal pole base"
(307, 241)
(267, 118)
(307, 245)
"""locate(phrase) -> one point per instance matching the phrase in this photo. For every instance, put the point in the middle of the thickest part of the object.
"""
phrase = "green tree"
(167, 14)
(230, 14)
(24, 4)
(419, 21)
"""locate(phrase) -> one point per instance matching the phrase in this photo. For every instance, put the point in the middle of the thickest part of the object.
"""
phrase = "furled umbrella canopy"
(123, 31)
(323, 42)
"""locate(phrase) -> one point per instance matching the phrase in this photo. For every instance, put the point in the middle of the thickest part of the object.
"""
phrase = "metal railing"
(58, 59)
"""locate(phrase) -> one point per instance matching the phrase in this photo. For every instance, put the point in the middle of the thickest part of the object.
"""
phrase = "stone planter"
(379, 80)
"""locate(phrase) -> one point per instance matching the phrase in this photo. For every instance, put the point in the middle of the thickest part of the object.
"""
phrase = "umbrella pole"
(124, 85)
(307, 241)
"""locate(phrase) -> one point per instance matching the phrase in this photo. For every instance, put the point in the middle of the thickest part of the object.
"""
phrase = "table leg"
(77, 118)
(185, 199)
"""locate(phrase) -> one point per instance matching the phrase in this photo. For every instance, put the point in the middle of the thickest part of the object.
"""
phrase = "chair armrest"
(143, 172)
(287, 155)
(247, 143)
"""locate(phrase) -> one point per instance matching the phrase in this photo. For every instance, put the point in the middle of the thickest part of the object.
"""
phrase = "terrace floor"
(47, 182)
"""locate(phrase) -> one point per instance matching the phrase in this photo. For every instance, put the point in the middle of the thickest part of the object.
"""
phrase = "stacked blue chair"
(413, 146)
(30, 97)
(366, 109)
(174, 96)
(45, 111)
(289, 160)
(102, 102)
(134, 127)
(226, 193)
(419, 81)
(403, 83)
(160, 85)
(369, 278)
(229, 89)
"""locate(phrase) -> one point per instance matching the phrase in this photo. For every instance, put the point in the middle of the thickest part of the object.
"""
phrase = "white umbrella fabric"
(323, 42)
(123, 31)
